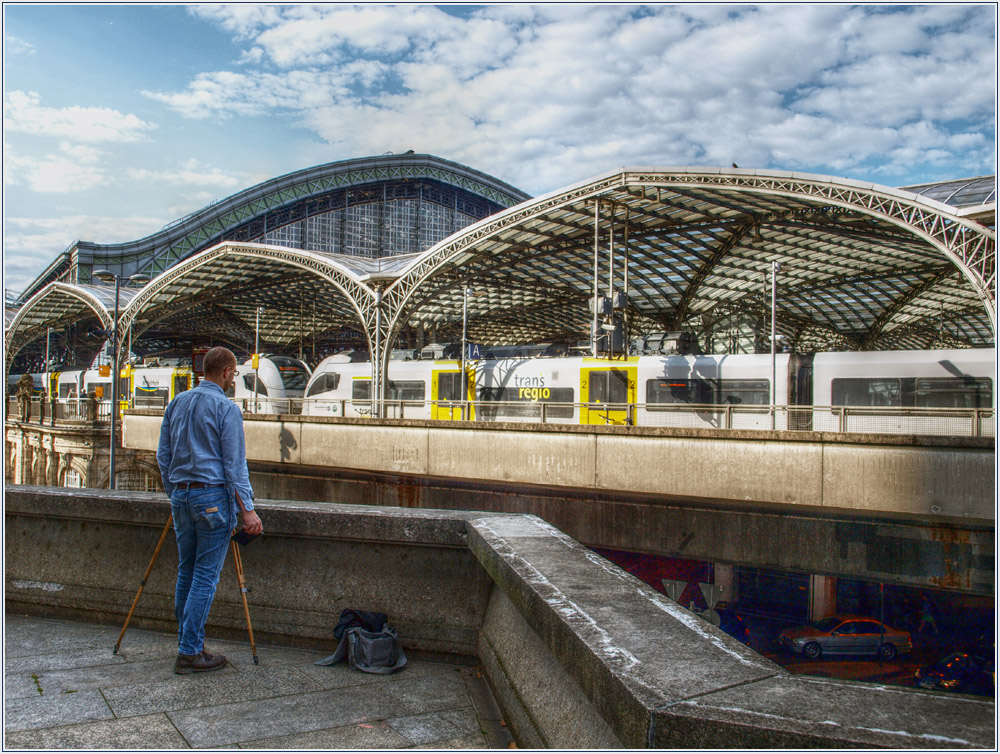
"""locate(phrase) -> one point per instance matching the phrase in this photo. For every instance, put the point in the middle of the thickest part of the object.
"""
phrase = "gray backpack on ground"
(369, 651)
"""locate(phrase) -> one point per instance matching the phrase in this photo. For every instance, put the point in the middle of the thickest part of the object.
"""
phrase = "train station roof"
(862, 266)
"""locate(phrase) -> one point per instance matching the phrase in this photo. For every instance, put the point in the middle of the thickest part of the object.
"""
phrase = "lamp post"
(107, 276)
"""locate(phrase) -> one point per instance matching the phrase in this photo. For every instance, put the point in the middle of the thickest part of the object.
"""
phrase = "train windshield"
(294, 375)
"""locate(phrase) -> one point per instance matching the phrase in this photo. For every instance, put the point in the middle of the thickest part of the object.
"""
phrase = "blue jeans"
(203, 521)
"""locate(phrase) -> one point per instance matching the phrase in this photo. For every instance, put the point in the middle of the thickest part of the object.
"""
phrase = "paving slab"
(75, 658)
(209, 727)
(431, 693)
(151, 732)
(111, 675)
(93, 699)
(48, 711)
(206, 689)
(373, 735)
(434, 727)
(25, 636)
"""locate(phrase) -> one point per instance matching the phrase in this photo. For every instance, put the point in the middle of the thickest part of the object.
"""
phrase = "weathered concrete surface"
(64, 689)
(661, 677)
(76, 553)
(883, 474)
(578, 652)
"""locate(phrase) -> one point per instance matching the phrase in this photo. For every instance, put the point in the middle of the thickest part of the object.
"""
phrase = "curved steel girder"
(427, 264)
(359, 296)
(875, 331)
(681, 310)
(17, 337)
(180, 238)
(971, 247)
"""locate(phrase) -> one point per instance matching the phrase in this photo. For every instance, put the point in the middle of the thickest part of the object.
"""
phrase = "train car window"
(151, 397)
(105, 389)
(180, 384)
(953, 392)
(859, 391)
(526, 401)
(677, 391)
(608, 386)
(361, 390)
(248, 380)
(406, 390)
(745, 392)
(293, 373)
(324, 383)
(450, 386)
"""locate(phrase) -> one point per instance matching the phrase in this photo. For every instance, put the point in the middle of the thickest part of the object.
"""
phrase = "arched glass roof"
(690, 249)
(966, 192)
(862, 266)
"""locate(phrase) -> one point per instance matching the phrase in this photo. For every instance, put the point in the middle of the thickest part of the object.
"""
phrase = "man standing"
(202, 459)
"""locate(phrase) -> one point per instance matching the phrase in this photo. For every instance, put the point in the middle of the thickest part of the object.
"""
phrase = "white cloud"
(242, 19)
(23, 112)
(543, 95)
(75, 168)
(31, 243)
(191, 173)
(16, 46)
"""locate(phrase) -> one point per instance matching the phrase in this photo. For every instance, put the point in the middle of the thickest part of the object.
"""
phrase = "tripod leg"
(238, 562)
(142, 584)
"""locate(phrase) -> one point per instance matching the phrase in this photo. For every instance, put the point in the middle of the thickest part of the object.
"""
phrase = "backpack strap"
(338, 656)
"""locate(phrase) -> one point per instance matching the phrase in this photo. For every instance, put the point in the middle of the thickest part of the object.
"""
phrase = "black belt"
(196, 485)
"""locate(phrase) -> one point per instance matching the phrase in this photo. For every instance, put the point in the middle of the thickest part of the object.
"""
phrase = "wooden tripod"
(237, 561)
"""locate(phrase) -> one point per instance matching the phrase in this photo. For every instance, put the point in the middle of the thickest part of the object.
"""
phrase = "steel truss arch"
(972, 247)
(428, 263)
(291, 195)
(58, 302)
(359, 296)
(902, 227)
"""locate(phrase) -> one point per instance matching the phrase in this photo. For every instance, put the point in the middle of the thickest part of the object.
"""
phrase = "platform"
(64, 689)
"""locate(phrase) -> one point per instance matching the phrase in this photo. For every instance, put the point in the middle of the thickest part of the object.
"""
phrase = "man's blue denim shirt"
(204, 429)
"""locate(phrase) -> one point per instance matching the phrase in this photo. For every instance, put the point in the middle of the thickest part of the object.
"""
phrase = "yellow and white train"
(903, 391)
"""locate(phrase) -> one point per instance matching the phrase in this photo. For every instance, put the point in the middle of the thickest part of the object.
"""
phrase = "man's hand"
(252, 524)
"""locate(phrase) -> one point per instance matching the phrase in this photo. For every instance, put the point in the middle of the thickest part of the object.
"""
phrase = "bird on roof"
(735, 165)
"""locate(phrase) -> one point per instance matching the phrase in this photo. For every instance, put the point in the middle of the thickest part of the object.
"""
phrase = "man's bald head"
(216, 361)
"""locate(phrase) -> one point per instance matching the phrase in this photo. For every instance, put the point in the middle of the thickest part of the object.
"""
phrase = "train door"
(446, 394)
(800, 391)
(181, 382)
(126, 380)
(607, 393)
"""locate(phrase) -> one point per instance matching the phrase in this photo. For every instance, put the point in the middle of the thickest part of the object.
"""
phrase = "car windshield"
(827, 624)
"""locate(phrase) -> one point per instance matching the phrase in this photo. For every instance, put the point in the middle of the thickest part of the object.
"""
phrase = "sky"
(119, 119)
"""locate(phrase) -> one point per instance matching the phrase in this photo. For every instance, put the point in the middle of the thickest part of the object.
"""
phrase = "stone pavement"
(64, 689)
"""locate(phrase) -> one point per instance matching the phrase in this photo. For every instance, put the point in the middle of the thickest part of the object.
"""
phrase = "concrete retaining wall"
(579, 653)
(880, 474)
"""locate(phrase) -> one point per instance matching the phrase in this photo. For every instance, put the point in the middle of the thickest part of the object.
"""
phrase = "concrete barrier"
(930, 477)
(579, 653)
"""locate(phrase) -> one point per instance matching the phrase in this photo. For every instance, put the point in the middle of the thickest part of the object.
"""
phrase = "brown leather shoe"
(199, 663)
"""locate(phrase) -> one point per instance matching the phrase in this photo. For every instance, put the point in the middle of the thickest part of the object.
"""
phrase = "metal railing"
(47, 411)
(953, 422)
(971, 422)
